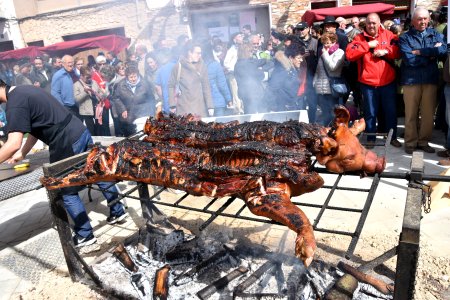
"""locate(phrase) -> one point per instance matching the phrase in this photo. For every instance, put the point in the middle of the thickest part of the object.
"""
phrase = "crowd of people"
(388, 68)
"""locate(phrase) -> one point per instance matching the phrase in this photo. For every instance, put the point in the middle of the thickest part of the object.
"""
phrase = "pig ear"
(358, 126)
(342, 116)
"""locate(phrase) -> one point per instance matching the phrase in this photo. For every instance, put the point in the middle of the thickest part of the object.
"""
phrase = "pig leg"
(277, 206)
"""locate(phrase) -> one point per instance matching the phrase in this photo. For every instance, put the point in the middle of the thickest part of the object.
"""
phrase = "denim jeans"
(327, 103)
(311, 100)
(384, 98)
(73, 203)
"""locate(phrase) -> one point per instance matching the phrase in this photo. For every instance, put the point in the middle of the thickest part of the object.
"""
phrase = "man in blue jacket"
(62, 85)
(421, 47)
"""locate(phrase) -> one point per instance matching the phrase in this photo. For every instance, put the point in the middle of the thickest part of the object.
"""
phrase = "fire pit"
(205, 268)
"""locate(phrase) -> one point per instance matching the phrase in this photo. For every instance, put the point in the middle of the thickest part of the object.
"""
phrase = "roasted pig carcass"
(257, 165)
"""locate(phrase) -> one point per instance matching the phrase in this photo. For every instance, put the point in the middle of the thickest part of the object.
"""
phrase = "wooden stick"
(220, 283)
(161, 286)
(122, 255)
(380, 285)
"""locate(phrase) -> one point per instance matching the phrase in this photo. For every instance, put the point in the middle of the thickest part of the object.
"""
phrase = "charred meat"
(263, 163)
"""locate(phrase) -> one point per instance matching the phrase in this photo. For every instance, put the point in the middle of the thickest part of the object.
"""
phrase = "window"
(73, 37)
(5, 46)
(397, 3)
(322, 4)
(36, 43)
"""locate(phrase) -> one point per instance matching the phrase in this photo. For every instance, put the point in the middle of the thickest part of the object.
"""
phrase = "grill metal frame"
(407, 250)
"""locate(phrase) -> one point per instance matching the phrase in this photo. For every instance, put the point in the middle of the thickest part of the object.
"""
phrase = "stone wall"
(430, 5)
(141, 25)
(290, 12)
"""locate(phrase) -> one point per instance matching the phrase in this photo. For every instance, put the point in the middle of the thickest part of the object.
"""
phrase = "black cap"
(329, 20)
(301, 25)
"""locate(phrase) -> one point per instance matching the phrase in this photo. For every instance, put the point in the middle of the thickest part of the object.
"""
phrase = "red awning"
(113, 43)
(31, 51)
(315, 15)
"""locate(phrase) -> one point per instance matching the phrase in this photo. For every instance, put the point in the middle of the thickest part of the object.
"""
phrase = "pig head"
(348, 153)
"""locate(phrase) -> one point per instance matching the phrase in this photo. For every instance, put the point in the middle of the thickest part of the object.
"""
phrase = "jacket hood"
(283, 60)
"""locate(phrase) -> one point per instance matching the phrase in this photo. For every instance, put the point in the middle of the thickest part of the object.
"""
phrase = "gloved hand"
(211, 112)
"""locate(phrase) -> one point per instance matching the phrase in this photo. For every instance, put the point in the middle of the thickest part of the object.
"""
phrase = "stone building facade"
(45, 22)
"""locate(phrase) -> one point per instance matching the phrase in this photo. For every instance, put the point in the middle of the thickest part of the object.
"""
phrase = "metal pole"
(408, 247)
(60, 218)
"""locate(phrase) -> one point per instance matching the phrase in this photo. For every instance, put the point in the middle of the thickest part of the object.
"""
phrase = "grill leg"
(408, 248)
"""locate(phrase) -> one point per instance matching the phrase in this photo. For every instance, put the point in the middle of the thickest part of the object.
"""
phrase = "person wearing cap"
(330, 25)
(62, 85)
(375, 50)
(31, 110)
(307, 90)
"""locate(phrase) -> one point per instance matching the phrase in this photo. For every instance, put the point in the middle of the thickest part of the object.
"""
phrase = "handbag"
(338, 85)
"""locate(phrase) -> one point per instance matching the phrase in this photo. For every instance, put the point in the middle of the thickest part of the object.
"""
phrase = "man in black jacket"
(41, 74)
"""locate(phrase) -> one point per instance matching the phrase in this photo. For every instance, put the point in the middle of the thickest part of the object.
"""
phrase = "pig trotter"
(278, 207)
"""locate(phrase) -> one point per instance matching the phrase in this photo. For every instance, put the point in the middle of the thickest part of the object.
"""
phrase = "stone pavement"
(29, 245)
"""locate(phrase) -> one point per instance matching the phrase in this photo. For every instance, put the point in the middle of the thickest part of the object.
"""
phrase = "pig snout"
(373, 163)
(366, 161)
(350, 155)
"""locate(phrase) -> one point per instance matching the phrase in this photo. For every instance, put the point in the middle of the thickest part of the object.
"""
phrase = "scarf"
(333, 48)
(131, 86)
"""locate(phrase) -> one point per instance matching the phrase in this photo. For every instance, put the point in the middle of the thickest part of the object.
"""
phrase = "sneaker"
(116, 219)
(426, 149)
(80, 241)
(396, 143)
(443, 153)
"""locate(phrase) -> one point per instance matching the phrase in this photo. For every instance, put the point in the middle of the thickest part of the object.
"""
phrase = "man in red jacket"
(375, 50)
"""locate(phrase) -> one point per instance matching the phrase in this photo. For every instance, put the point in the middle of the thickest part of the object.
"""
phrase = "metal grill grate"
(20, 184)
(25, 182)
(221, 206)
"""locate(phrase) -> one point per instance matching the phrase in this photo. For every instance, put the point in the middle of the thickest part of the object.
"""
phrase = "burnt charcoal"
(221, 283)
(160, 244)
(183, 256)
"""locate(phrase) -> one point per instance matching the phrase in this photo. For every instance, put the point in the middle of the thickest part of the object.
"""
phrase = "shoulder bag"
(338, 85)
